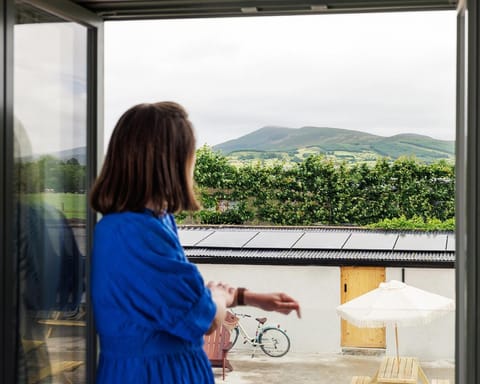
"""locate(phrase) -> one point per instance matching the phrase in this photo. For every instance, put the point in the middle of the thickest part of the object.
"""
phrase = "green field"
(244, 157)
(270, 144)
(72, 205)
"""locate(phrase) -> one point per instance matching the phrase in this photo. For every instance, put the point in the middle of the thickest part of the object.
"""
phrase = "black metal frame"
(461, 204)
(174, 9)
(94, 145)
(468, 330)
(72, 12)
(7, 278)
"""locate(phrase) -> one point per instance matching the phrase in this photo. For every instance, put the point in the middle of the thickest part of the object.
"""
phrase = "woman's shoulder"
(121, 229)
(119, 220)
(143, 224)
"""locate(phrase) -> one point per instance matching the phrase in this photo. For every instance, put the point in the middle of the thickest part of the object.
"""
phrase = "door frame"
(468, 219)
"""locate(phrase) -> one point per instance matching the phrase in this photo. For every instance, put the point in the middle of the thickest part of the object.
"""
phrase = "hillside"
(79, 153)
(342, 144)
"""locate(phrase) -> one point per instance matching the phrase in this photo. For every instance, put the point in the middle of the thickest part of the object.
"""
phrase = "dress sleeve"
(159, 290)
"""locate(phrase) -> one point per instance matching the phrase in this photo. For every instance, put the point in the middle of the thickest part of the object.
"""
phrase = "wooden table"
(402, 370)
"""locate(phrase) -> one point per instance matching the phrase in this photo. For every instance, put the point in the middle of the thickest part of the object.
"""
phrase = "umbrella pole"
(396, 347)
(396, 341)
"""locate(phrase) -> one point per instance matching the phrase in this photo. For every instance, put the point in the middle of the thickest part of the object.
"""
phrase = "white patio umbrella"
(395, 303)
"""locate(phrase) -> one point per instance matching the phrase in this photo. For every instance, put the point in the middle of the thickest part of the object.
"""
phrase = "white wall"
(316, 288)
(435, 340)
(318, 291)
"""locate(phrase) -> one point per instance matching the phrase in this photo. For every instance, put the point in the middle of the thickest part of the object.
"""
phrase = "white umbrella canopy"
(395, 303)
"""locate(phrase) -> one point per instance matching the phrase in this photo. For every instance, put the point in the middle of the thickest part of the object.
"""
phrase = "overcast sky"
(384, 73)
(50, 78)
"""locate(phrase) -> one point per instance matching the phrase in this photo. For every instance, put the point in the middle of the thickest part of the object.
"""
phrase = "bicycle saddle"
(261, 320)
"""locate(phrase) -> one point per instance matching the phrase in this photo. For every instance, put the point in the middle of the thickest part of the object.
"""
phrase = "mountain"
(345, 144)
(79, 153)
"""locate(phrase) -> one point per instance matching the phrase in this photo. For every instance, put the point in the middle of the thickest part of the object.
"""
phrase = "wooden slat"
(66, 323)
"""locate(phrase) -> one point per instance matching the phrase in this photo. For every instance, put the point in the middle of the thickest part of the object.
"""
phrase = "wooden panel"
(356, 281)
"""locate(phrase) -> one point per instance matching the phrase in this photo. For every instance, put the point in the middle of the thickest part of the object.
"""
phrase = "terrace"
(314, 368)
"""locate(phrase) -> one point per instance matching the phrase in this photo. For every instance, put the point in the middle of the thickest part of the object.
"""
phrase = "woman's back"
(151, 305)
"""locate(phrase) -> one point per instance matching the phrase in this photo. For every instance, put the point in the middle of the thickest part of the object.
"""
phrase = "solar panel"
(274, 239)
(371, 241)
(322, 240)
(227, 239)
(451, 243)
(189, 238)
(421, 242)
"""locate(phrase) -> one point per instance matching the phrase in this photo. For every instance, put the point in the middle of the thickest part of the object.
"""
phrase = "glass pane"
(50, 80)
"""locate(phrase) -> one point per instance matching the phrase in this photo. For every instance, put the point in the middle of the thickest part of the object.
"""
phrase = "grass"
(72, 205)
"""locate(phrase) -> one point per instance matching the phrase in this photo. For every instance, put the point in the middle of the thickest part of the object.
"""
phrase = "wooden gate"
(356, 281)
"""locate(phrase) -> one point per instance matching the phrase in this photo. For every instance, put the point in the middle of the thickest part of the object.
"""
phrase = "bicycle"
(272, 340)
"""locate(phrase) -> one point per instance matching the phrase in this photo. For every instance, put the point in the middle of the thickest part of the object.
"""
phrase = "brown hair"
(148, 160)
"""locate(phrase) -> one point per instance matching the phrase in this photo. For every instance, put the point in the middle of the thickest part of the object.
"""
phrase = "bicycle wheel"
(233, 337)
(274, 342)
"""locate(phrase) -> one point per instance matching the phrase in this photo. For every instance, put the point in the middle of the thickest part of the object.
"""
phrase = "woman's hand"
(278, 302)
(223, 295)
(223, 291)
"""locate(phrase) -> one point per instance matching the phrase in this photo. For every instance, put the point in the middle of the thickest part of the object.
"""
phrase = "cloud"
(380, 73)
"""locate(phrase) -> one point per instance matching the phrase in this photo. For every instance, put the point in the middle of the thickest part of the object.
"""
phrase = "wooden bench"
(440, 381)
(216, 346)
(361, 380)
(395, 370)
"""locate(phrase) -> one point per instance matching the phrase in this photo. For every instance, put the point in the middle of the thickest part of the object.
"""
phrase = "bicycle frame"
(246, 337)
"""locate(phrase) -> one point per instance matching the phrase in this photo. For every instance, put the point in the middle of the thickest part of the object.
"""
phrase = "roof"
(317, 246)
(161, 9)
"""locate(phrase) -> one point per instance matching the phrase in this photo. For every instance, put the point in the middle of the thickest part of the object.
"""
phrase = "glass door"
(50, 204)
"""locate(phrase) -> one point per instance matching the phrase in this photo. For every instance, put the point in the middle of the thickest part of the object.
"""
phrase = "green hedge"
(318, 191)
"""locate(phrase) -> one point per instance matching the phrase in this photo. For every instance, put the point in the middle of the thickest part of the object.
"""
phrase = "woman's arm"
(277, 301)
(226, 296)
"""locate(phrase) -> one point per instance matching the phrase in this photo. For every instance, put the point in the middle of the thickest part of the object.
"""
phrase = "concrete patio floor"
(313, 368)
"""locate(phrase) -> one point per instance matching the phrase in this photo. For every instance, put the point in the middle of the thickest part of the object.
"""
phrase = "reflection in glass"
(50, 209)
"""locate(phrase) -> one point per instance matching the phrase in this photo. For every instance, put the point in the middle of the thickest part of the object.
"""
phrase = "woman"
(151, 305)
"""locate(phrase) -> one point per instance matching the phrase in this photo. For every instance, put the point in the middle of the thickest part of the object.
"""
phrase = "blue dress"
(150, 303)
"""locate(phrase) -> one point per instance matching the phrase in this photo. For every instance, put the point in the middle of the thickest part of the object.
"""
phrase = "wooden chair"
(55, 368)
(230, 321)
(216, 346)
(52, 367)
